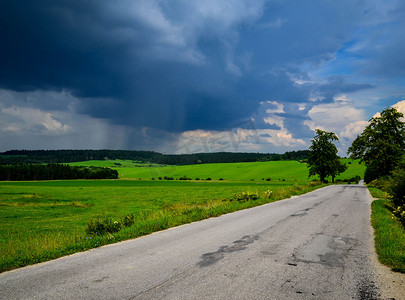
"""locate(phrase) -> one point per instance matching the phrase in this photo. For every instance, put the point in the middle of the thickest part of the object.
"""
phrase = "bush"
(396, 184)
(102, 226)
(399, 212)
(128, 220)
(370, 174)
(244, 197)
(107, 225)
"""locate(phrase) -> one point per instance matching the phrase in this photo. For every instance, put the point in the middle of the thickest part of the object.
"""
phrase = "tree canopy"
(381, 144)
(323, 159)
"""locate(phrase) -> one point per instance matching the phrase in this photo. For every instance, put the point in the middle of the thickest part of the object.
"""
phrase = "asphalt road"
(316, 246)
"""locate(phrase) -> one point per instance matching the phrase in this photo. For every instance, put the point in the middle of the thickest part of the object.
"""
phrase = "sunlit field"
(275, 170)
(41, 220)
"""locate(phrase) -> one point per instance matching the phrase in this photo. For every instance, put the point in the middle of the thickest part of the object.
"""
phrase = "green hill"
(275, 170)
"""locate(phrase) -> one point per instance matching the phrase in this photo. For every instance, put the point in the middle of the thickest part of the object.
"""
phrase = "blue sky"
(181, 76)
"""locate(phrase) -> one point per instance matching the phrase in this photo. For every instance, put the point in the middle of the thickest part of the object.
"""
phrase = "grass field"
(45, 220)
(276, 170)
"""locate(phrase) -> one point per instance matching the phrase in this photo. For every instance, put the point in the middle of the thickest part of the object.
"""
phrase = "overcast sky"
(180, 76)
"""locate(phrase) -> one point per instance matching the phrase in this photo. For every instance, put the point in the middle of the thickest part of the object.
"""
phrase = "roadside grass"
(44, 220)
(389, 234)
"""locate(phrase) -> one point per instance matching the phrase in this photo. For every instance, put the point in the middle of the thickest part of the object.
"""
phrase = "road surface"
(315, 246)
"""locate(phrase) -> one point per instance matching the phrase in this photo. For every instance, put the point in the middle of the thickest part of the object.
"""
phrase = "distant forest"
(23, 171)
(67, 156)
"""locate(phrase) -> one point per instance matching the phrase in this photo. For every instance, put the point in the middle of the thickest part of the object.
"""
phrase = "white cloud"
(280, 138)
(400, 106)
(340, 117)
(25, 127)
(32, 120)
(213, 141)
(334, 117)
(244, 139)
(353, 129)
(271, 114)
(236, 139)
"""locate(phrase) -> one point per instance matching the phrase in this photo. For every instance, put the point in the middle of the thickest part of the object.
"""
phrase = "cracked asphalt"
(315, 246)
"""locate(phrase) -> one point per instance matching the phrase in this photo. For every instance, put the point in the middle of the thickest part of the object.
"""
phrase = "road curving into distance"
(315, 246)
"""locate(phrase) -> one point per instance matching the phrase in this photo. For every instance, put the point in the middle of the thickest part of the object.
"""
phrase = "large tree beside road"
(381, 144)
(323, 159)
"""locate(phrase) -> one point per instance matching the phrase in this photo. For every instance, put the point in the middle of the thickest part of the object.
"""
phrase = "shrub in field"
(244, 197)
(108, 225)
(102, 226)
(128, 220)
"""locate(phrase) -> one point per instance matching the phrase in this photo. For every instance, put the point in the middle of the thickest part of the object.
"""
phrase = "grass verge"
(389, 234)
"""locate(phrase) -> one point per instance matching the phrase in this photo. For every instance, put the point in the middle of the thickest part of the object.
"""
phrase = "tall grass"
(389, 233)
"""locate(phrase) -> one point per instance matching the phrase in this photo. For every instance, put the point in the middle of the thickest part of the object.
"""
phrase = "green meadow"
(42, 220)
(275, 170)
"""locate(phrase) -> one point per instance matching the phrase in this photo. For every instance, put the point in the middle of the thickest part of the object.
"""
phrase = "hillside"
(275, 170)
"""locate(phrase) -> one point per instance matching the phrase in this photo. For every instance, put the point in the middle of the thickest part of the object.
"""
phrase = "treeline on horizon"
(23, 171)
(68, 156)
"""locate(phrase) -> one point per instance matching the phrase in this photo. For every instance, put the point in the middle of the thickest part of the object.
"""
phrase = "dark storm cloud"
(175, 65)
(59, 44)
